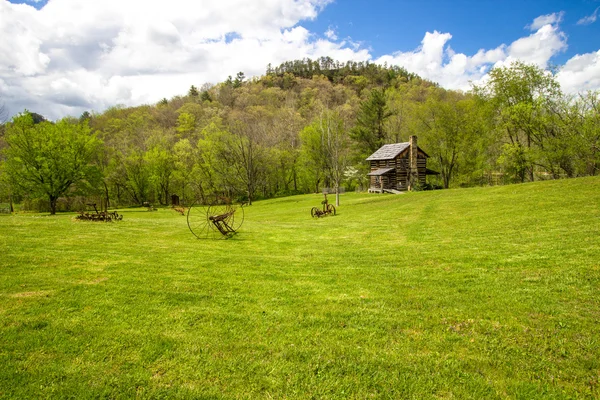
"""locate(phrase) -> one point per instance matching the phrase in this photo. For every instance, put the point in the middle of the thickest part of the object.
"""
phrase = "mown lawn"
(471, 293)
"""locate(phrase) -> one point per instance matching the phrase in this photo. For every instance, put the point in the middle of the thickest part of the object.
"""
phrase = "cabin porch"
(383, 180)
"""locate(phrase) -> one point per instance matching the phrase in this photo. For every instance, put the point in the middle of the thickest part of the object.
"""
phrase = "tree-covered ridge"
(308, 124)
(350, 72)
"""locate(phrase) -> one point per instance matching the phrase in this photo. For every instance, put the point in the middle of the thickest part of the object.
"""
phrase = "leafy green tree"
(515, 159)
(161, 164)
(6, 189)
(336, 143)
(326, 146)
(370, 130)
(313, 155)
(245, 151)
(524, 97)
(454, 132)
(134, 176)
(193, 92)
(205, 96)
(85, 116)
(184, 156)
(50, 159)
(581, 116)
(239, 79)
(186, 123)
(287, 124)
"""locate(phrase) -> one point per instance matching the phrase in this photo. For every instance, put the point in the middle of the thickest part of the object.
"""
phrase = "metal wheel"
(314, 212)
(216, 221)
(220, 217)
(198, 221)
(237, 219)
(331, 209)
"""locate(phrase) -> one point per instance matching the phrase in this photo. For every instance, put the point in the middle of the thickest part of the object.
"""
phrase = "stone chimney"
(413, 173)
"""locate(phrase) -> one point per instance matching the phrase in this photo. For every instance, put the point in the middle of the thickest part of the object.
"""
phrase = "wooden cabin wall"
(402, 171)
(399, 180)
(422, 168)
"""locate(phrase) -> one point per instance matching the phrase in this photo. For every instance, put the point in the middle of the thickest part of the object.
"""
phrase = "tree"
(245, 152)
(205, 96)
(85, 116)
(160, 161)
(581, 117)
(326, 143)
(193, 92)
(186, 123)
(369, 132)
(454, 132)
(239, 79)
(524, 97)
(336, 145)
(313, 155)
(50, 159)
(184, 162)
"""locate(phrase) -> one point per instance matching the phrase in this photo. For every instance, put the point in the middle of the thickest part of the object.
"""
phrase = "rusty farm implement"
(103, 216)
(219, 219)
(327, 209)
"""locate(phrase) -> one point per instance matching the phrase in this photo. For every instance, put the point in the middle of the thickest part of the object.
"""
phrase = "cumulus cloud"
(330, 34)
(538, 47)
(590, 19)
(436, 60)
(581, 73)
(543, 20)
(71, 56)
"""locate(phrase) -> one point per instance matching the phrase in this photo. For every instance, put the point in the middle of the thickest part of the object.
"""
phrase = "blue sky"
(390, 26)
(69, 56)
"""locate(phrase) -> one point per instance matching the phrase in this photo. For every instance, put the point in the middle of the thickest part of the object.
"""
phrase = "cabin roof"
(380, 171)
(388, 151)
(391, 151)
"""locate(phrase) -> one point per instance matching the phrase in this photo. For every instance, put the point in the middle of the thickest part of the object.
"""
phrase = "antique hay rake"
(104, 216)
(220, 219)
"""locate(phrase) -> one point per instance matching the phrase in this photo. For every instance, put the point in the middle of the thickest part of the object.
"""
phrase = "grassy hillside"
(480, 293)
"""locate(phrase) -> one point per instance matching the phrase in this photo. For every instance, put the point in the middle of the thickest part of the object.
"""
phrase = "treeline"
(303, 126)
(349, 73)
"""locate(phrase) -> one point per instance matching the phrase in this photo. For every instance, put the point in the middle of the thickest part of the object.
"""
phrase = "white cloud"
(581, 73)
(435, 60)
(538, 47)
(590, 19)
(330, 34)
(73, 56)
(549, 19)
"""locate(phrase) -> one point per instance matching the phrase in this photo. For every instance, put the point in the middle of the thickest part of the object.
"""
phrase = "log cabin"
(398, 167)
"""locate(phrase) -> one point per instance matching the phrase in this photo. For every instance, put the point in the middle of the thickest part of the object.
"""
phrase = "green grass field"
(471, 293)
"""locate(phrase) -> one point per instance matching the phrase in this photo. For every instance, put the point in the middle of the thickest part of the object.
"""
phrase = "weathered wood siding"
(399, 179)
(402, 171)
(422, 167)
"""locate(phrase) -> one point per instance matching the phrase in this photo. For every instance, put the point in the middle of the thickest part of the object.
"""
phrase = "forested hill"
(338, 72)
(308, 124)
